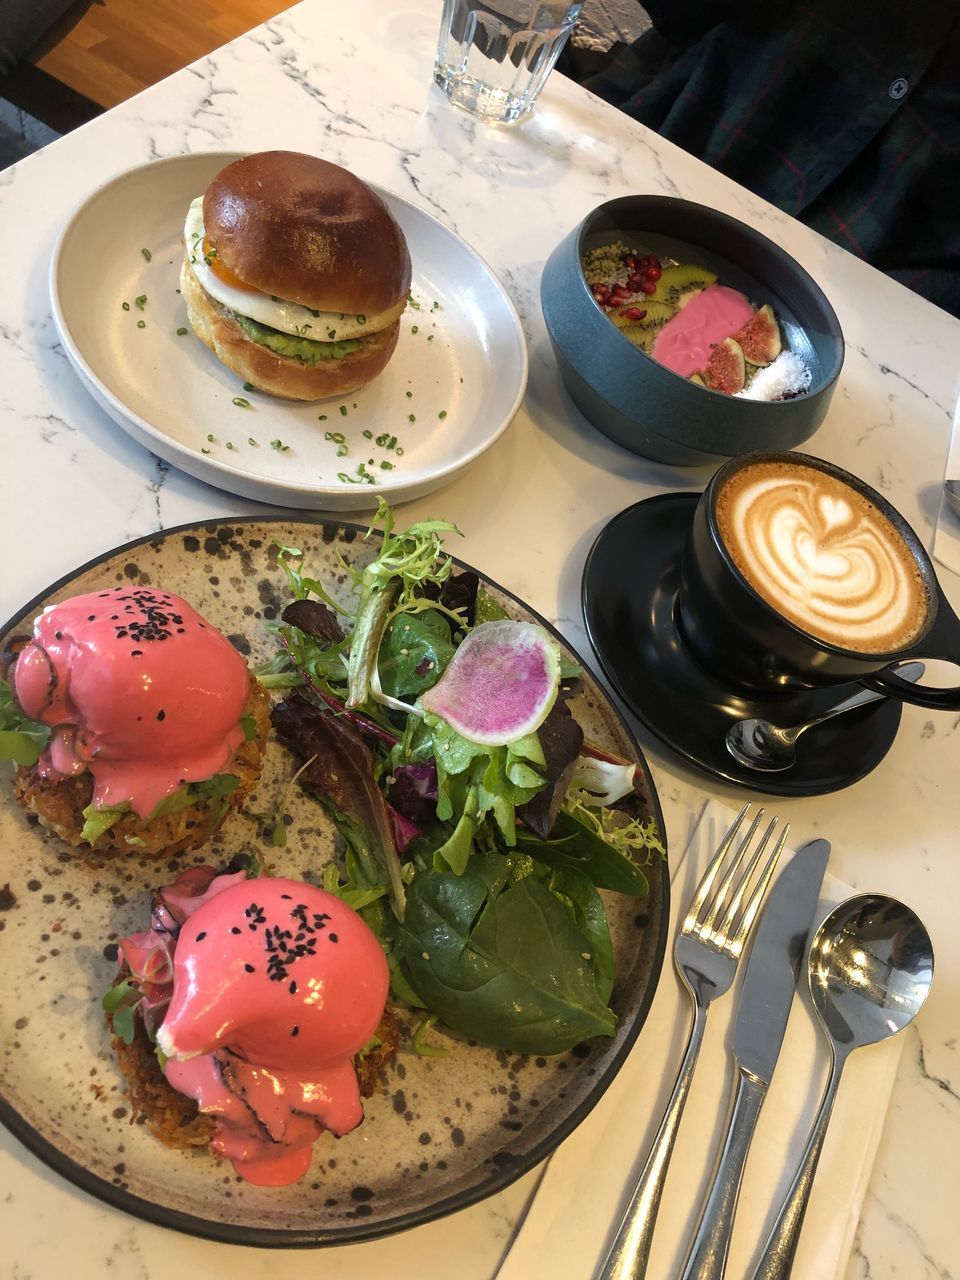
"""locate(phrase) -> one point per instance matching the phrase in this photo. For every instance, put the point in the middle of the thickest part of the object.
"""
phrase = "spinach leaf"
(22, 740)
(583, 902)
(415, 650)
(573, 846)
(502, 963)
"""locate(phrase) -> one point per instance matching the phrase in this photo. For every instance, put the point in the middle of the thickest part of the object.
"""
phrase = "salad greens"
(478, 866)
(21, 740)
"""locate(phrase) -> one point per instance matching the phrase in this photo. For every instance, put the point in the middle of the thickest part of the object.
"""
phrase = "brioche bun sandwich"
(135, 725)
(251, 1017)
(295, 275)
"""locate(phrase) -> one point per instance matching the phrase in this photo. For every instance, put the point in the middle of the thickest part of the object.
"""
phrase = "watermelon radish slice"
(499, 685)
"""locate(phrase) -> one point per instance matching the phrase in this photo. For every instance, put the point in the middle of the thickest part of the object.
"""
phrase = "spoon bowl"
(870, 968)
(952, 490)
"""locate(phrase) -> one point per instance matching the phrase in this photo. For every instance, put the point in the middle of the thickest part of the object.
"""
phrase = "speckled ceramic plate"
(442, 1133)
(450, 390)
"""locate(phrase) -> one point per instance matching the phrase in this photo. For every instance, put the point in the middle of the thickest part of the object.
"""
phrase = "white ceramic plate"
(462, 355)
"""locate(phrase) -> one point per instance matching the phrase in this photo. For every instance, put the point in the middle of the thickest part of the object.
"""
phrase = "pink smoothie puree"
(685, 341)
(267, 989)
(138, 689)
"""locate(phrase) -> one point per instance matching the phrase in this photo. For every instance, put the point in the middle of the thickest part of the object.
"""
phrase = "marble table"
(352, 83)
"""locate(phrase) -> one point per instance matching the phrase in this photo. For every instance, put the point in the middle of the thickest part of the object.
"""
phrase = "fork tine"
(756, 900)
(745, 874)
(706, 884)
(708, 924)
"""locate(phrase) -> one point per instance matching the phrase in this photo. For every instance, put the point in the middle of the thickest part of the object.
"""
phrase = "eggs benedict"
(295, 275)
(156, 728)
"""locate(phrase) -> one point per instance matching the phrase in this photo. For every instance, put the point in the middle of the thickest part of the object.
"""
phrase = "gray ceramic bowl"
(638, 402)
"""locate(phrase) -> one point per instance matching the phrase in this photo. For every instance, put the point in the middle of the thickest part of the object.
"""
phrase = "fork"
(709, 944)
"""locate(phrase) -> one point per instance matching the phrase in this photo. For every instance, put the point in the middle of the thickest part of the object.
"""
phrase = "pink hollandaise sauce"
(138, 689)
(276, 986)
(685, 341)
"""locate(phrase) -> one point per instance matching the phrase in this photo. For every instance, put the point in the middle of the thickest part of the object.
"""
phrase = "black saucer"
(630, 584)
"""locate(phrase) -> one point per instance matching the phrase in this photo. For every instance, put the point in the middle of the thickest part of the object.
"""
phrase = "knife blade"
(766, 996)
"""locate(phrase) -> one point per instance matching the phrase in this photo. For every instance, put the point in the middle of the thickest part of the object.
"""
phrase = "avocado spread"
(285, 344)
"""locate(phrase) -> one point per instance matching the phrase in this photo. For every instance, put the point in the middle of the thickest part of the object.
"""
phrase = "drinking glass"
(493, 59)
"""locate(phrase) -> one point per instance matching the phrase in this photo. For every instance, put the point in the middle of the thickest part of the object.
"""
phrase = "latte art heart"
(823, 556)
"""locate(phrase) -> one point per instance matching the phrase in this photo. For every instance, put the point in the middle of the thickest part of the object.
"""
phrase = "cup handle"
(943, 641)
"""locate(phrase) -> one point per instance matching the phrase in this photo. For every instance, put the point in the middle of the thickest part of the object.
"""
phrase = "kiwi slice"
(658, 313)
(680, 279)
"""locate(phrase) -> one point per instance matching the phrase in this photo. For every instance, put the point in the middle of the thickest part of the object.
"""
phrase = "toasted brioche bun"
(283, 376)
(59, 805)
(306, 230)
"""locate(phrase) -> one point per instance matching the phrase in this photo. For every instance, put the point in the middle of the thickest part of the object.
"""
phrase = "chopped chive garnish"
(125, 305)
(248, 386)
(442, 414)
(181, 331)
(250, 440)
(412, 417)
(141, 324)
(322, 418)
(147, 254)
(279, 446)
(414, 328)
(140, 302)
(204, 450)
(399, 452)
(210, 437)
(386, 466)
(342, 451)
(361, 319)
(436, 307)
(229, 444)
(368, 435)
(343, 410)
(412, 302)
(241, 403)
(430, 337)
(409, 395)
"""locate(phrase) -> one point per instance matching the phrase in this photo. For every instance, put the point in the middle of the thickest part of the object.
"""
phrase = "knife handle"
(708, 1253)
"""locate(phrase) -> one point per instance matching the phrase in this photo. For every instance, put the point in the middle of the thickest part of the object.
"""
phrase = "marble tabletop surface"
(353, 84)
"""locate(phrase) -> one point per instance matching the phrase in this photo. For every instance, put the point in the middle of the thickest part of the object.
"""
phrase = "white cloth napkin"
(581, 1196)
(946, 535)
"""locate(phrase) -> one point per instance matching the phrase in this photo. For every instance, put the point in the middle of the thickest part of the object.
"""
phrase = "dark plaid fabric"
(844, 113)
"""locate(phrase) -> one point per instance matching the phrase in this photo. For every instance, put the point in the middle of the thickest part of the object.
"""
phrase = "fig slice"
(760, 337)
(499, 685)
(726, 370)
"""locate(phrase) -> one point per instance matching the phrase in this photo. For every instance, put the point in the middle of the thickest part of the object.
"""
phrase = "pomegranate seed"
(635, 313)
(648, 287)
(635, 282)
(630, 261)
(620, 294)
(654, 273)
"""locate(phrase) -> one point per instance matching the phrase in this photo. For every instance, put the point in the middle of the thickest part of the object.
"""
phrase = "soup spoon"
(760, 744)
(870, 969)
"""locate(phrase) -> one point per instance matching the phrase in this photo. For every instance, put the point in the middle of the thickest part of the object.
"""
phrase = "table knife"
(766, 995)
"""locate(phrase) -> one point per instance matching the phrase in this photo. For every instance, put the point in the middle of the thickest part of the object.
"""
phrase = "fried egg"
(289, 317)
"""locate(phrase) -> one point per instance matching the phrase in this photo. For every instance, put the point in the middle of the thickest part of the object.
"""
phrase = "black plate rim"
(263, 1237)
(767, 783)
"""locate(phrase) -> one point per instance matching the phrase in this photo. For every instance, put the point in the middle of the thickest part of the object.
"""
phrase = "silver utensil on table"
(711, 939)
(766, 996)
(760, 744)
(952, 490)
(870, 969)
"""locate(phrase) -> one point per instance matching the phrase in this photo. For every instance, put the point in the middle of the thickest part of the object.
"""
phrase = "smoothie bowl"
(685, 335)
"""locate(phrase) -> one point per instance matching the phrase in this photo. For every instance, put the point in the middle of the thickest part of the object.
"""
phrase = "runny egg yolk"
(221, 270)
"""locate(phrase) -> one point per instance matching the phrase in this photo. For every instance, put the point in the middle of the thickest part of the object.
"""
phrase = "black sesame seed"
(249, 968)
(236, 929)
(293, 988)
(332, 937)
(201, 936)
(295, 1031)
(161, 714)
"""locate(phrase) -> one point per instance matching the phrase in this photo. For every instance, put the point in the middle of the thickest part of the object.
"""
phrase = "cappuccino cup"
(796, 575)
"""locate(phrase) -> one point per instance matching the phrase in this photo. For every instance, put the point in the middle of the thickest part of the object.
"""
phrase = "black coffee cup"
(747, 642)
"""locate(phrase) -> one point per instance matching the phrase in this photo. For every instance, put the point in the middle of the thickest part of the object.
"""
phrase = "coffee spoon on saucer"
(770, 748)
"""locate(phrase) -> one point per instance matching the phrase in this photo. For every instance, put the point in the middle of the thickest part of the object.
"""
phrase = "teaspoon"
(870, 969)
(760, 744)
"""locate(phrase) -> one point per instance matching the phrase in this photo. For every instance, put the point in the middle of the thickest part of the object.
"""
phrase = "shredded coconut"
(787, 375)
